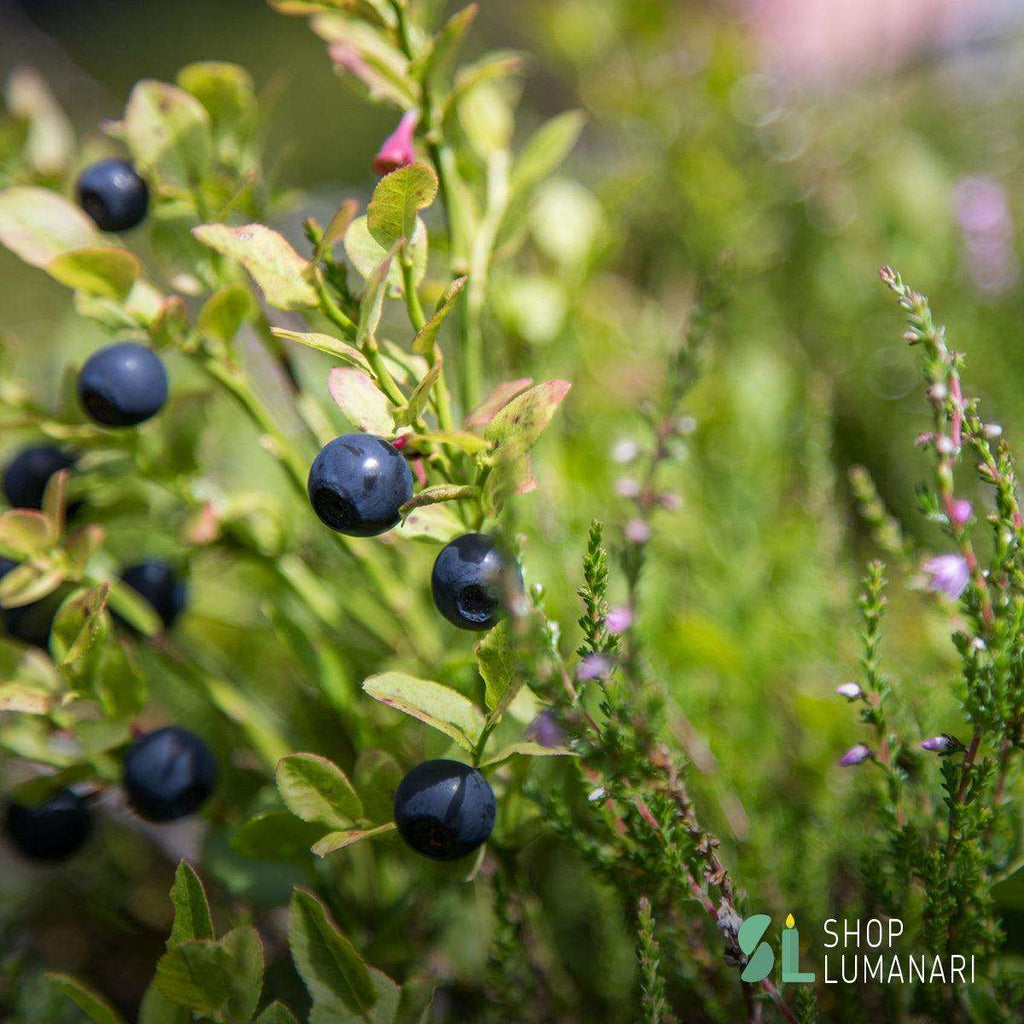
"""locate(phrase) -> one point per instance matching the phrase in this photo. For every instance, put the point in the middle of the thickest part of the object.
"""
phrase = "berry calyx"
(474, 582)
(28, 473)
(49, 831)
(160, 586)
(112, 194)
(444, 809)
(357, 484)
(122, 385)
(168, 774)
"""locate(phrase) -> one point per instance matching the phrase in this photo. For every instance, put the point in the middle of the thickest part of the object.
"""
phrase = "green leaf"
(396, 202)
(93, 1005)
(192, 919)
(119, 682)
(464, 441)
(336, 228)
(50, 144)
(497, 665)
(39, 225)
(277, 268)
(335, 841)
(26, 698)
(29, 583)
(258, 724)
(439, 706)
(196, 974)
(167, 131)
(445, 45)
(492, 66)
(515, 429)
(317, 790)
(496, 401)
(377, 775)
(225, 312)
(438, 493)
(419, 399)
(132, 606)
(225, 90)
(547, 149)
(434, 523)
(277, 836)
(366, 253)
(332, 969)
(424, 342)
(100, 270)
(371, 306)
(245, 949)
(25, 533)
(276, 1013)
(42, 787)
(325, 343)
(360, 401)
(158, 1009)
(78, 632)
(526, 749)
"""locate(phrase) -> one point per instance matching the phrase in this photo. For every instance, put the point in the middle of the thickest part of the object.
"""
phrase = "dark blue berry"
(168, 774)
(113, 194)
(358, 483)
(474, 582)
(52, 830)
(158, 584)
(444, 809)
(122, 385)
(31, 622)
(28, 473)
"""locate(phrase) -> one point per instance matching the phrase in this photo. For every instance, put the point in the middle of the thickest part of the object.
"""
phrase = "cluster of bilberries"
(357, 485)
(168, 773)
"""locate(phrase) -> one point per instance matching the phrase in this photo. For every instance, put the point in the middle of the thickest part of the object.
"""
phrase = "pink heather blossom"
(627, 487)
(940, 744)
(545, 730)
(619, 620)
(855, 755)
(593, 666)
(637, 531)
(851, 691)
(948, 575)
(962, 511)
(625, 451)
(398, 149)
(670, 502)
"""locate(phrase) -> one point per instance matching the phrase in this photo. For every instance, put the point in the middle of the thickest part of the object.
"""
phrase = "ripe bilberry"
(158, 584)
(474, 582)
(122, 385)
(168, 774)
(49, 831)
(444, 809)
(28, 473)
(112, 194)
(358, 483)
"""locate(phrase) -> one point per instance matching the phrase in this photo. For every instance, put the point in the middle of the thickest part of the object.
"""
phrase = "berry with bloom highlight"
(49, 831)
(168, 774)
(473, 582)
(122, 385)
(444, 809)
(113, 195)
(28, 473)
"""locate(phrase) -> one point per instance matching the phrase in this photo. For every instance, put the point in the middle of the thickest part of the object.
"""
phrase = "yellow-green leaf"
(38, 225)
(317, 790)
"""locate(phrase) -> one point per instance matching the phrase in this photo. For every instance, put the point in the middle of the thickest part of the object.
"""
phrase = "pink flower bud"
(625, 451)
(637, 531)
(851, 691)
(627, 487)
(961, 512)
(941, 744)
(618, 620)
(398, 149)
(855, 755)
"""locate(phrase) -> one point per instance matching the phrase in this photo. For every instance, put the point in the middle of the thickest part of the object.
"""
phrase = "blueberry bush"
(451, 604)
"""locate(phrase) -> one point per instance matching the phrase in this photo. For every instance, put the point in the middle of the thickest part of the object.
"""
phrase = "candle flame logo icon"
(761, 956)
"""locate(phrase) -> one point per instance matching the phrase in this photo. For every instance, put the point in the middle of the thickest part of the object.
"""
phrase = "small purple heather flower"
(625, 451)
(593, 666)
(855, 755)
(948, 574)
(670, 502)
(626, 487)
(545, 730)
(618, 620)
(637, 531)
(851, 691)
(943, 744)
(962, 512)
